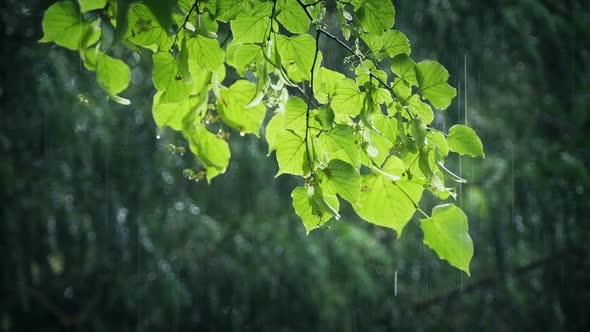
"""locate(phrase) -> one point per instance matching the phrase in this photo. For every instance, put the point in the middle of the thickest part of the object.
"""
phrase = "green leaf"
(376, 16)
(387, 203)
(324, 84)
(465, 141)
(420, 109)
(64, 25)
(205, 53)
(250, 29)
(297, 56)
(418, 131)
(145, 30)
(364, 70)
(325, 117)
(347, 99)
(403, 67)
(290, 153)
(232, 107)
(167, 77)
(339, 143)
(387, 126)
(272, 129)
(437, 140)
(172, 114)
(374, 42)
(376, 146)
(162, 11)
(307, 208)
(212, 151)
(446, 233)
(243, 56)
(295, 115)
(87, 5)
(395, 42)
(344, 179)
(432, 79)
(112, 74)
(292, 16)
(229, 9)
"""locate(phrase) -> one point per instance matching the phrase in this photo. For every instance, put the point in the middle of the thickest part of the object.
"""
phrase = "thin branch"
(304, 6)
(488, 281)
(303, 94)
(348, 48)
(411, 200)
(315, 58)
(195, 6)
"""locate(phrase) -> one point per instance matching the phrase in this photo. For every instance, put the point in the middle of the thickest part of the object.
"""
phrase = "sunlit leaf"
(250, 29)
(64, 25)
(87, 5)
(290, 153)
(292, 16)
(344, 180)
(347, 99)
(212, 151)
(376, 16)
(465, 141)
(232, 107)
(297, 55)
(306, 207)
(446, 232)
(395, 42)
(172, 114)
(205, 53)
(145, 30)
(339, 143)
(432, 80)
(387, 203)
(168, 78)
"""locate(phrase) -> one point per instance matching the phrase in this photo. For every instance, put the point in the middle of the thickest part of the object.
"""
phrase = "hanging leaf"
(385, 202)
(446, 233)
(465, 141)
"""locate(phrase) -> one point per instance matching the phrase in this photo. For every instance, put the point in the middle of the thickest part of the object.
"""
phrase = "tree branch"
(343, 44)
(485, 282)
(195, 6)
(315, 58)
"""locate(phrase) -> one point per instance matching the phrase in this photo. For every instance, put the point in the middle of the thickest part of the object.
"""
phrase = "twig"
(486, 282)
(315, 58)
(348, 48)
(195, 6)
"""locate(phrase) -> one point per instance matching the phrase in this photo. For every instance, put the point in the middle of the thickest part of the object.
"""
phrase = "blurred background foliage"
(100, 231)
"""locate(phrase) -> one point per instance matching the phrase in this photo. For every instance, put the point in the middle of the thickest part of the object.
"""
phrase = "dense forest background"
(100, 230)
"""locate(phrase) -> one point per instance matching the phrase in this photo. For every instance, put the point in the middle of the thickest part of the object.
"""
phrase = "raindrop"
(395, 283)
(242, 133)
(157, 136)
(69, 293)
(195, 210)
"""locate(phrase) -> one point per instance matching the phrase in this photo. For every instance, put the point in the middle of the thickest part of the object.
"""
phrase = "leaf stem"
(411, 200)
